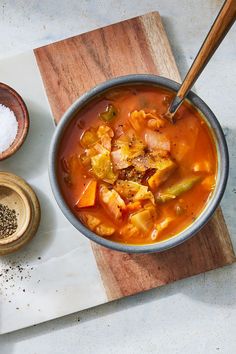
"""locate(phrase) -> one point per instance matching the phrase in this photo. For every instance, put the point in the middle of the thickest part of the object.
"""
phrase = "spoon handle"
(218, 31)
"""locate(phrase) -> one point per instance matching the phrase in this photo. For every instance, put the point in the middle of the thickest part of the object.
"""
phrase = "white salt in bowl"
(12, 100)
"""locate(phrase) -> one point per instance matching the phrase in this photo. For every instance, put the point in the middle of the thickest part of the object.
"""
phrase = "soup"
(129, 174)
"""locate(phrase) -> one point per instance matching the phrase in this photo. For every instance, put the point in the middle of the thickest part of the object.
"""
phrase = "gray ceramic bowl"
(222, 153)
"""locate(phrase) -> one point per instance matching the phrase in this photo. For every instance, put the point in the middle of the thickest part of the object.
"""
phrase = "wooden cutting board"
(71, 67)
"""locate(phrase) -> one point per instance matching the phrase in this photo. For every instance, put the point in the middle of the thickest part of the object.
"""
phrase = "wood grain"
(71, 67)
(125, 274)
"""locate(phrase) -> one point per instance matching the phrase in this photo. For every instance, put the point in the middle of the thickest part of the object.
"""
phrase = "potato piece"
(143, 194)
(112, 202)
(142, 220)
(165, 169)
(88, 197)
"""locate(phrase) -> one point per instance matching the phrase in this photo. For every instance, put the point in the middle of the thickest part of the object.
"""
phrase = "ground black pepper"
(8, 221)
(14, 275)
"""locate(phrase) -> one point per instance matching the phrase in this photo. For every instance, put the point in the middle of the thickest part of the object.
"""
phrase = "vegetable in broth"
(131, 176)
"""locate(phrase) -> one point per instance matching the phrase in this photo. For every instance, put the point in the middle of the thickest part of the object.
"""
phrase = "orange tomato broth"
(190, 129)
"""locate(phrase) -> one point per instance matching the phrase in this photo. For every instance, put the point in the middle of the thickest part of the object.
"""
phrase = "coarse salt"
(8, 128)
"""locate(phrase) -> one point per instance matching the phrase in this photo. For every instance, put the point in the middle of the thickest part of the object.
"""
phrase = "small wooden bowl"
(11, 99)
(16, 194)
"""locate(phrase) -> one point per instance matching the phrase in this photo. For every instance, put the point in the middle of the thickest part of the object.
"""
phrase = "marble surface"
(45, 279)
(196, 315)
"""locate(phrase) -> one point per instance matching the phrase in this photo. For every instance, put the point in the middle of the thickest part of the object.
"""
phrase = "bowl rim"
(18, 142)
(220, 141)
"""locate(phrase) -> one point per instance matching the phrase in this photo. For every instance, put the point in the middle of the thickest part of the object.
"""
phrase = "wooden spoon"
(218, 31)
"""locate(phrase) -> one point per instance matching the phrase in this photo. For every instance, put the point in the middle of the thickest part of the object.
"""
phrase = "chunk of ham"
(119, 160)
(156, 140)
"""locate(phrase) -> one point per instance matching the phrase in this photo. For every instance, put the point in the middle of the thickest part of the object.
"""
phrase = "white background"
(196, 315)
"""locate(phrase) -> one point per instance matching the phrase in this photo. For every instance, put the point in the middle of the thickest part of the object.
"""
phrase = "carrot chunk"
(88, 196)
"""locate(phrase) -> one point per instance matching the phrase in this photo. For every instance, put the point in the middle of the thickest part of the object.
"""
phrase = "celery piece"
(109, 114)
(177, 189)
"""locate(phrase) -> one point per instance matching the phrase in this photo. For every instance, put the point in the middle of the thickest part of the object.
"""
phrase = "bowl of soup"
(129, 179)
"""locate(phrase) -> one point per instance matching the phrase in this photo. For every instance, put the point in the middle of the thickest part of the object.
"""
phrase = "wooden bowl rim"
(20, 140)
